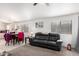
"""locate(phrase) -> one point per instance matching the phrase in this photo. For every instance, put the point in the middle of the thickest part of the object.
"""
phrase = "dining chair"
(21, 37)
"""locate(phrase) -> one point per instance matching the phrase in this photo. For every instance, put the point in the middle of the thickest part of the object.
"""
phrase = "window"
(63, 27)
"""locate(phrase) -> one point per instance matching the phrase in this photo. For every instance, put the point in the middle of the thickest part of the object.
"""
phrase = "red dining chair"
(20, 36)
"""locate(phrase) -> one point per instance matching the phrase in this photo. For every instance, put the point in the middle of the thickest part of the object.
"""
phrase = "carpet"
(28, 50)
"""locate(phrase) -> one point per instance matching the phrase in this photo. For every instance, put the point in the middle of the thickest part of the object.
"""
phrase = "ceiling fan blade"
(35, 4)
(44, 3)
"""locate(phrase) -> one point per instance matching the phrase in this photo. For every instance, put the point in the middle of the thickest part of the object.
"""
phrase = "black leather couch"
(49, 40)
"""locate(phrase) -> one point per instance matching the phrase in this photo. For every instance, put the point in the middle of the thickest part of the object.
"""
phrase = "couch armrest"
(59, 42)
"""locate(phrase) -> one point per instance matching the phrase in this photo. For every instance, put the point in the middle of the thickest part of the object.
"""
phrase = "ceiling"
(14, 12)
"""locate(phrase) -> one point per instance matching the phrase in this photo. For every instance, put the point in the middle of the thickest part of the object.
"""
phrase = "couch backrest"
(41, 36)
(49, 36)
(53, 37)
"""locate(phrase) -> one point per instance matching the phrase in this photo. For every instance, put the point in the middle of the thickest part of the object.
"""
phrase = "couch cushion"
(52, 43)
(40, 41)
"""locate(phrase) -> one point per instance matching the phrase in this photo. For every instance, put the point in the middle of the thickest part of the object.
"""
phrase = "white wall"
(2, 27)
(67, 38)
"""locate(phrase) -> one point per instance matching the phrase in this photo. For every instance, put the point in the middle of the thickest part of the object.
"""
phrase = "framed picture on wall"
(39, 24)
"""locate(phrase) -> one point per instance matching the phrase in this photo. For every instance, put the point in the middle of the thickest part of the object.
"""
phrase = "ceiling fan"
(34, 4)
